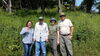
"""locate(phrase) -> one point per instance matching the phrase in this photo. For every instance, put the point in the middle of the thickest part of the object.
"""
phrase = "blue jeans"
(41, 45)
(27, 49)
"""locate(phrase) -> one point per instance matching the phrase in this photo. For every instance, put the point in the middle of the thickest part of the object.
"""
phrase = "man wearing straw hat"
(65, 32)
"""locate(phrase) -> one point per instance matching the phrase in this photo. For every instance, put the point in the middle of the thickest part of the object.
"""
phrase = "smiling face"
(29, 24)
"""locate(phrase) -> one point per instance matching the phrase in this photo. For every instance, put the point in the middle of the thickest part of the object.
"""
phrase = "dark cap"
(53, 19)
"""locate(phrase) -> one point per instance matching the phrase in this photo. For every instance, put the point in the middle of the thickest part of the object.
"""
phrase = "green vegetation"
(85, 40)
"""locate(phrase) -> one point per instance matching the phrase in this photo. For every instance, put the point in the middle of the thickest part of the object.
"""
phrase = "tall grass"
(85, 39)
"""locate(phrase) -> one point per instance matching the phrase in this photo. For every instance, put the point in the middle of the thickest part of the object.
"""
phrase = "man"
(65, 32)
(40, 36)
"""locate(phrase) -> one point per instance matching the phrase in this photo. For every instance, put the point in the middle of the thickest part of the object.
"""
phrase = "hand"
(58, 42)
(47, 40)
(28, 28)
(33, 40)
(70, 37)
(71, 34)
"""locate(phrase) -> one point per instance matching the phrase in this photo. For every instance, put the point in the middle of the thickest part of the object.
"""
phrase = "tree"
(7, 5)
(70, 4)
(98, 6)
(34, 4)
(87, 5)
(59, 6)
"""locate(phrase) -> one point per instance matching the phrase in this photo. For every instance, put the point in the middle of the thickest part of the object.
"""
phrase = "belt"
(64, 34)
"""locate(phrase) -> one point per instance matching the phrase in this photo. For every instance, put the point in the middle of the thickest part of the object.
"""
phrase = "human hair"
(28, 22)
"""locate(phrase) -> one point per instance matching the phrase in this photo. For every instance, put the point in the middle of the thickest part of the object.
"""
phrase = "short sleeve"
(70, 23)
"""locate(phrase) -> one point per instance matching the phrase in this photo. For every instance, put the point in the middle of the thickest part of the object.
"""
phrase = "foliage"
(85, 40)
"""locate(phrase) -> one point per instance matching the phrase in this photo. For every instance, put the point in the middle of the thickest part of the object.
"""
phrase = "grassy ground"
(85, 40)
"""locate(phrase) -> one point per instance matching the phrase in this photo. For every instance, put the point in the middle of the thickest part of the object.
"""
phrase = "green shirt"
(53, 31)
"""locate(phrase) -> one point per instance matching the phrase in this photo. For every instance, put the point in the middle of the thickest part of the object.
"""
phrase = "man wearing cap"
(53, 34)
(65, 31)
(40, 36)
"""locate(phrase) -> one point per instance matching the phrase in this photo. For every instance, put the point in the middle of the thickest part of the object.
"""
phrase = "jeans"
(27, 49)
(42, 45)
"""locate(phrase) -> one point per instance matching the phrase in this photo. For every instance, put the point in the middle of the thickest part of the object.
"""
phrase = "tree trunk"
(42, 4)
(59, 6)
(89, 4)
(62, 2)
(20, 4)
(5, 4)
(73, 5)
(9, 7)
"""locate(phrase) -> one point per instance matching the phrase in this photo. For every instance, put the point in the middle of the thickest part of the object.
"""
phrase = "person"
(27, 33)
(53, 34)
(40, 36)
(66, 32)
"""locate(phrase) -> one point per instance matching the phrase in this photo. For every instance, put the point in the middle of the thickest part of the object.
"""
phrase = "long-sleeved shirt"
(41, 32)
(27, 35)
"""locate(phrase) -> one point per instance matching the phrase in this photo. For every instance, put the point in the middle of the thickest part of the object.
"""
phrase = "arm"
(71, 27)
(35, 33)
(58, 34)
(23, 31)
(58, 37)
(71, 30)
(47, 31)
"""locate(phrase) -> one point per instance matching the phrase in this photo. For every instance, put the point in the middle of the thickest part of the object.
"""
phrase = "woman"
(53, 34)
(27, 33)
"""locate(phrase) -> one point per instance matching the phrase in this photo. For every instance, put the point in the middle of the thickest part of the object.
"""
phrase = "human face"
(53, 22)
(62, 18)
(41, 20)
(29, 24)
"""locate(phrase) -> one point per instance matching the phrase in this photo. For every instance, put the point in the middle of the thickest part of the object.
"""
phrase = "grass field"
(86, 39)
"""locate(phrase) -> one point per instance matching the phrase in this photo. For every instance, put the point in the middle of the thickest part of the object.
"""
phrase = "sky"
(78, 2)
(94, 7)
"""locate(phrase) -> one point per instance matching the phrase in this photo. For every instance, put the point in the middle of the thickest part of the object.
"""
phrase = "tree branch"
(5, 2)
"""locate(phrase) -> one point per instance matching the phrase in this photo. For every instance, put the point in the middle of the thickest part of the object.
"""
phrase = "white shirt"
(41, 32)
(65, 26)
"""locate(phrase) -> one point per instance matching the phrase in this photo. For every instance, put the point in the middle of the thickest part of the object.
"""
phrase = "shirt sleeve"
(70, 23)
(33, 33)
(47, 31)
(57, 26)
(35, 29)
(23, 31)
